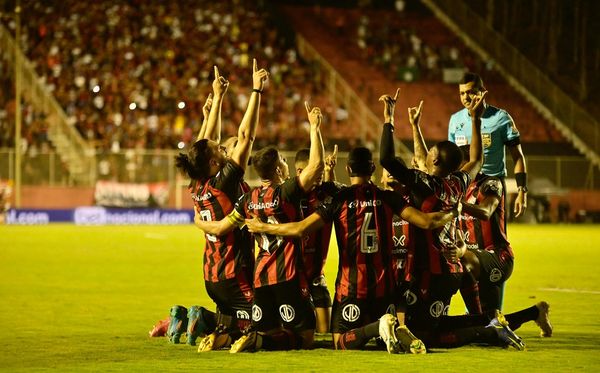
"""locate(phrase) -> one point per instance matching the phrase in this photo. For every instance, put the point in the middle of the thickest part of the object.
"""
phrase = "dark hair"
(360, 161)
(265, 162)
(450, 155)
(470, 77)
(302, 155)
(196, 162)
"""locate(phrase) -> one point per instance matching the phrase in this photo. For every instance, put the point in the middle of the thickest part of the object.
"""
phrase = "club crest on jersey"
(495, 275)
(256, 313)
(411, 298)
(287, 312)
(486, 140)
(350, 312)
(241, 314)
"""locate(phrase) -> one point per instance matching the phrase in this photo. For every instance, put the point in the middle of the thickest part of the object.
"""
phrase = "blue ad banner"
(99, 216)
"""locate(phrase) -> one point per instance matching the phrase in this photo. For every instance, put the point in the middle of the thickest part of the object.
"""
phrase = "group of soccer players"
(404, 249)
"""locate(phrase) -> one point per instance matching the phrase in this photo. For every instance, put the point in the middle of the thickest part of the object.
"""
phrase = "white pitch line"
(562, 290)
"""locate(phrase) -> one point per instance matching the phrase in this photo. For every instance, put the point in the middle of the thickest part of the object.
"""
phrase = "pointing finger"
(397, 92)
(217, 76)
(335, 149)
(420, 106)
(254, 68)
(307, 107)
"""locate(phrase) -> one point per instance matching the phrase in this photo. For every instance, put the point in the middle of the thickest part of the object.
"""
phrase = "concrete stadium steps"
(340, 49)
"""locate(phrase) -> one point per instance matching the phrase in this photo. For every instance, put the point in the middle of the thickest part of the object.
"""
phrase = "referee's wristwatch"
(522, 189)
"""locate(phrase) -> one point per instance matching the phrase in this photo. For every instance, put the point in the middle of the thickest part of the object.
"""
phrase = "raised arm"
(314, 170)
(247, 130)
(428, 220)
(419, 147)
(205, 114)
(476, 108)
(483, 210)
(387, 154)
(521, 175)
(330, 162)
(296, 229)
(213, 125)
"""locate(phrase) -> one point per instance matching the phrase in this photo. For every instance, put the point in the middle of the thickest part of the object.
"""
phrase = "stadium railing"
(146, 166)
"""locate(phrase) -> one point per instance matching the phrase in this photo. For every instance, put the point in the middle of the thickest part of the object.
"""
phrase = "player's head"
(301, 160)
(229, 145)
(204, 159)
(270, 165)
(469, 86)
(443, 158)
(360, 162)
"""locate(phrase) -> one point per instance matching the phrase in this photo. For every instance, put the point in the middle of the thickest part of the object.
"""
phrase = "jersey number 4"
(368, 235)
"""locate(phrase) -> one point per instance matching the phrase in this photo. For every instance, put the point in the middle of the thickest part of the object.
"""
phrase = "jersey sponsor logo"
(287, 312)
(350, 312)
(399, 241)
(411, 298)
(398, 223)
(203, 197)
(460, 140)
(263, 205)
(356, 203)
(436, 309)
(495, 275)
(486, 140)
(241, 314)
(256, 313)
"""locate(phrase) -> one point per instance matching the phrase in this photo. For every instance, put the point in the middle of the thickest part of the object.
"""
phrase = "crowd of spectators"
(404, 40)
(135, 74)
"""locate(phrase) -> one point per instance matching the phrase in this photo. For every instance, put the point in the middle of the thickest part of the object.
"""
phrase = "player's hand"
(254, 225)
(520, 203)
(259, 77)
(315, 118)
(331, 159)
(476, 106)
(220, 84)
(207, 105)
(414, 114)
(389, 103)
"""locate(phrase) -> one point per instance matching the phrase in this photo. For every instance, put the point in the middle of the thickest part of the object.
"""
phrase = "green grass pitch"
(84, 298)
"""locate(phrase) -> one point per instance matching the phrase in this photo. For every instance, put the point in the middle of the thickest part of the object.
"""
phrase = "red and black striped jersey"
(279, 258)
(431, 194)
(362, 215)
(226, 256)
(403, 251)
(315, 245)
(481, 234)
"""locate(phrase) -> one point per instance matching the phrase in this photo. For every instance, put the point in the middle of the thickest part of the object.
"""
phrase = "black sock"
(464, 336)
(516, 319)
(358, 338)
(282, 341)
(449, 323)
(469, 290)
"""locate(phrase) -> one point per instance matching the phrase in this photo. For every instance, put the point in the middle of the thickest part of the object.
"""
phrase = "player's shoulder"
(490, 183)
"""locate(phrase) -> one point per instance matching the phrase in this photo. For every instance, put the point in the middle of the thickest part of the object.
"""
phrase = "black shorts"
(231, 297)
(319, 292)
(285, 304)
(495, 269)
(428, 299)
(351, 313)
